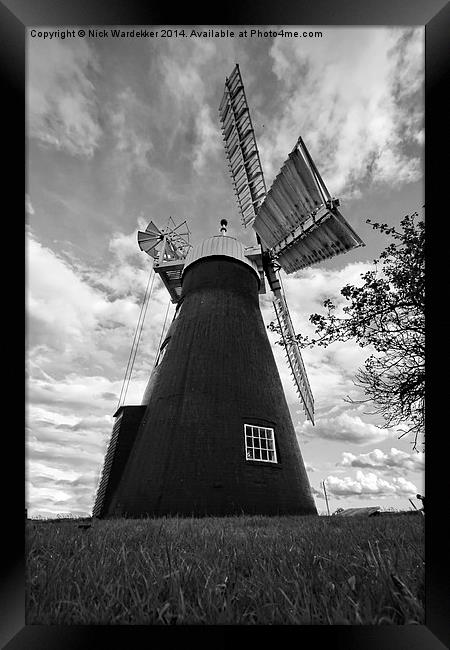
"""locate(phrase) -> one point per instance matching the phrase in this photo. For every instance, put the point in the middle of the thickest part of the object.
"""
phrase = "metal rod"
(158, 354)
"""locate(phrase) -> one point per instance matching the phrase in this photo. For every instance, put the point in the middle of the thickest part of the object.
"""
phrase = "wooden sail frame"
(241, 148)
(298, 220)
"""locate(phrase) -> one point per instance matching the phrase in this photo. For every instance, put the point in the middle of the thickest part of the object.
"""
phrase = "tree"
(387, 313)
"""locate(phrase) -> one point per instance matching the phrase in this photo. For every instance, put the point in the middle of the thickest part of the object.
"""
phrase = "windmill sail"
(250, 188)
(241, 149)
(298, 220)
(294, 356)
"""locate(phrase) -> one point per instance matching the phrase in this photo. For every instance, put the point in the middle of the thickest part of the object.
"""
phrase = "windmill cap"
(220, 246)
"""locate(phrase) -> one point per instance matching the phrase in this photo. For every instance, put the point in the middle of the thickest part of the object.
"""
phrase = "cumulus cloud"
(394, 459)
(344, 427)
(87, 315)
(63, 459)
(370, 485)
(330, 370)
(80, 327)
(56, 293)
(307, 289)
(62, 109)
(134, 266)
(359, 114)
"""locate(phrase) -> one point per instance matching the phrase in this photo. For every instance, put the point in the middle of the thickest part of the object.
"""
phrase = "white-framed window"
(260, 444)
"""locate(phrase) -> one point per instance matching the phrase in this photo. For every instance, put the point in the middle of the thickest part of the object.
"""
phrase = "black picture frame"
(15, 17)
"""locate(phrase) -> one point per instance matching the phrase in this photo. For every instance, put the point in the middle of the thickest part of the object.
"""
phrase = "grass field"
(234, 570)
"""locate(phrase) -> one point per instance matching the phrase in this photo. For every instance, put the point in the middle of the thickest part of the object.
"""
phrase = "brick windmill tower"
(214, 435)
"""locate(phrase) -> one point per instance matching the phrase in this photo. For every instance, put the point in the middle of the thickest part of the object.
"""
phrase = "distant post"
(326, 498)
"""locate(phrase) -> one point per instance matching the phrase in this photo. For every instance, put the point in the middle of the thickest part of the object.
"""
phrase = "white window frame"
(258, 440)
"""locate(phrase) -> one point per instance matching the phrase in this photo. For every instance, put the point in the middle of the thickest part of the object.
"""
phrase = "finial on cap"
(223, 224)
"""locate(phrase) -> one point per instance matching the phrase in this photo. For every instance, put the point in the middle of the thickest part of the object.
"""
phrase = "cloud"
(134, 266)
(356, 97)
(62, 108)
(28, 205)
(370, 486)
(330, 370)
(344, 427)
(63, 460)
(395, 459)
(129, 120)
(56, 296)
(188, 95)
(307, 289)
(82, 317)
(317, 493)
(81, 322)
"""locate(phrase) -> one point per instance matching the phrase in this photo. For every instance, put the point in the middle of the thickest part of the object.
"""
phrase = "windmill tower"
(214, 435)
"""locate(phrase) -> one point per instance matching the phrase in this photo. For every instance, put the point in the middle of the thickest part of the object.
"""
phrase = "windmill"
(214, 435)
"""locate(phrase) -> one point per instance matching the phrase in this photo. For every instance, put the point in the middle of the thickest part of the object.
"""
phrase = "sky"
(121, 131)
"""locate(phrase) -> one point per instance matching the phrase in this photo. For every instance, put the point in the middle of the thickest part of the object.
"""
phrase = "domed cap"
(219, 245)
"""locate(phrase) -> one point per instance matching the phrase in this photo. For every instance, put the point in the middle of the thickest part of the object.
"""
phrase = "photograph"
(225, 325)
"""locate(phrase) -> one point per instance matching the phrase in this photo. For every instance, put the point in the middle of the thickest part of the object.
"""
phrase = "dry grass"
(236, 570)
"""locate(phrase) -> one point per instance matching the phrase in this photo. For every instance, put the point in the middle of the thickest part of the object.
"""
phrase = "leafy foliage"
(387, 313)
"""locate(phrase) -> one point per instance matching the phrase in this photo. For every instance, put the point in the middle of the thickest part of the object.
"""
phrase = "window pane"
(259, 443)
